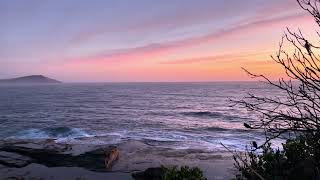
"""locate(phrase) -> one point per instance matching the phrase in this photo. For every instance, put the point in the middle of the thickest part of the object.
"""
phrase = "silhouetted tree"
(299, 110)
(296, 110)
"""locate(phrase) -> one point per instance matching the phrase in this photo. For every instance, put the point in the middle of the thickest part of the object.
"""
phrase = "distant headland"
(38, 79)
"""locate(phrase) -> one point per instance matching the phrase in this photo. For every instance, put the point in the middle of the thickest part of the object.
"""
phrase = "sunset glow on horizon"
(137, 41)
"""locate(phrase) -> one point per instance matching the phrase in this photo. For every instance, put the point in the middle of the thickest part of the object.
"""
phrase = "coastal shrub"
(170, 173)
(184, 173)
(299, 159)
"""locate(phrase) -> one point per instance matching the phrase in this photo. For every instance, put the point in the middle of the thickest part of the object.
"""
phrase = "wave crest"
(51, 133)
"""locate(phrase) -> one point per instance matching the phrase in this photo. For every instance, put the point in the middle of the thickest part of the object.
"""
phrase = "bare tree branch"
(299, 109)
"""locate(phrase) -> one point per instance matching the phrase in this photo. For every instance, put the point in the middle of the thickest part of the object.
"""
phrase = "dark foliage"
(299, 159)
(184, 173)
(170, 173)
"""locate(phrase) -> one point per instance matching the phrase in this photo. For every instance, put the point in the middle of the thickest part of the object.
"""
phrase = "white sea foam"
(58, 133)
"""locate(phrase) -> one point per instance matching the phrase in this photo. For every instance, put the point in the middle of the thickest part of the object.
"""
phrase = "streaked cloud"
(143, 40)
(158, 49)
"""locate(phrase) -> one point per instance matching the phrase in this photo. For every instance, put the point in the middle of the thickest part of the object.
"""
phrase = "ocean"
(170, 115)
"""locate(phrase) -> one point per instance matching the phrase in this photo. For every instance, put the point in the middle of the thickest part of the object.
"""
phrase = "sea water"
(171, 115)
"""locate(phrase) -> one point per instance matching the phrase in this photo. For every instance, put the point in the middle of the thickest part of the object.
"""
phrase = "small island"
(33, 79)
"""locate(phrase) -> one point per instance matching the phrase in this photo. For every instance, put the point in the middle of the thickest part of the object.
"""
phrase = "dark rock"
(17, 156)
(14, 160)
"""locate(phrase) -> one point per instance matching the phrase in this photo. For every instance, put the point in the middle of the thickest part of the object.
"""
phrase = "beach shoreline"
(83, 161)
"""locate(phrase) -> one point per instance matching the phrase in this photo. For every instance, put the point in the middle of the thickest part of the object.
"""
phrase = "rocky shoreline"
(50, 160)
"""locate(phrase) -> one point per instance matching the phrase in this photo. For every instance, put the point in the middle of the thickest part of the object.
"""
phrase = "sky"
(143, 40)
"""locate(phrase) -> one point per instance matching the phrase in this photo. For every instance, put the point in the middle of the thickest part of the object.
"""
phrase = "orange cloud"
(161, 49)
(210, 59)
(109, 65)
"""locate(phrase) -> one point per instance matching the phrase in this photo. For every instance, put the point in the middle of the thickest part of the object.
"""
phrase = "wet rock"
(13, 159)
(19, 156)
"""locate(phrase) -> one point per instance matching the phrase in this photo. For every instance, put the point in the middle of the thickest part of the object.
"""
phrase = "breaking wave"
(51, 133)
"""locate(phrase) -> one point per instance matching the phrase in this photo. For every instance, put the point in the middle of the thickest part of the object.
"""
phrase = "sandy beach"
(135, 156)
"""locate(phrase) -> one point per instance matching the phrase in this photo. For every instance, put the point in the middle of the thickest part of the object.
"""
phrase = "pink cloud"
(181, 19)
(161, 49)
(208, 59)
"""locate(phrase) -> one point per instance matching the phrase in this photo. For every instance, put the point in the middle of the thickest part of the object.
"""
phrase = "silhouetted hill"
(30, 79)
